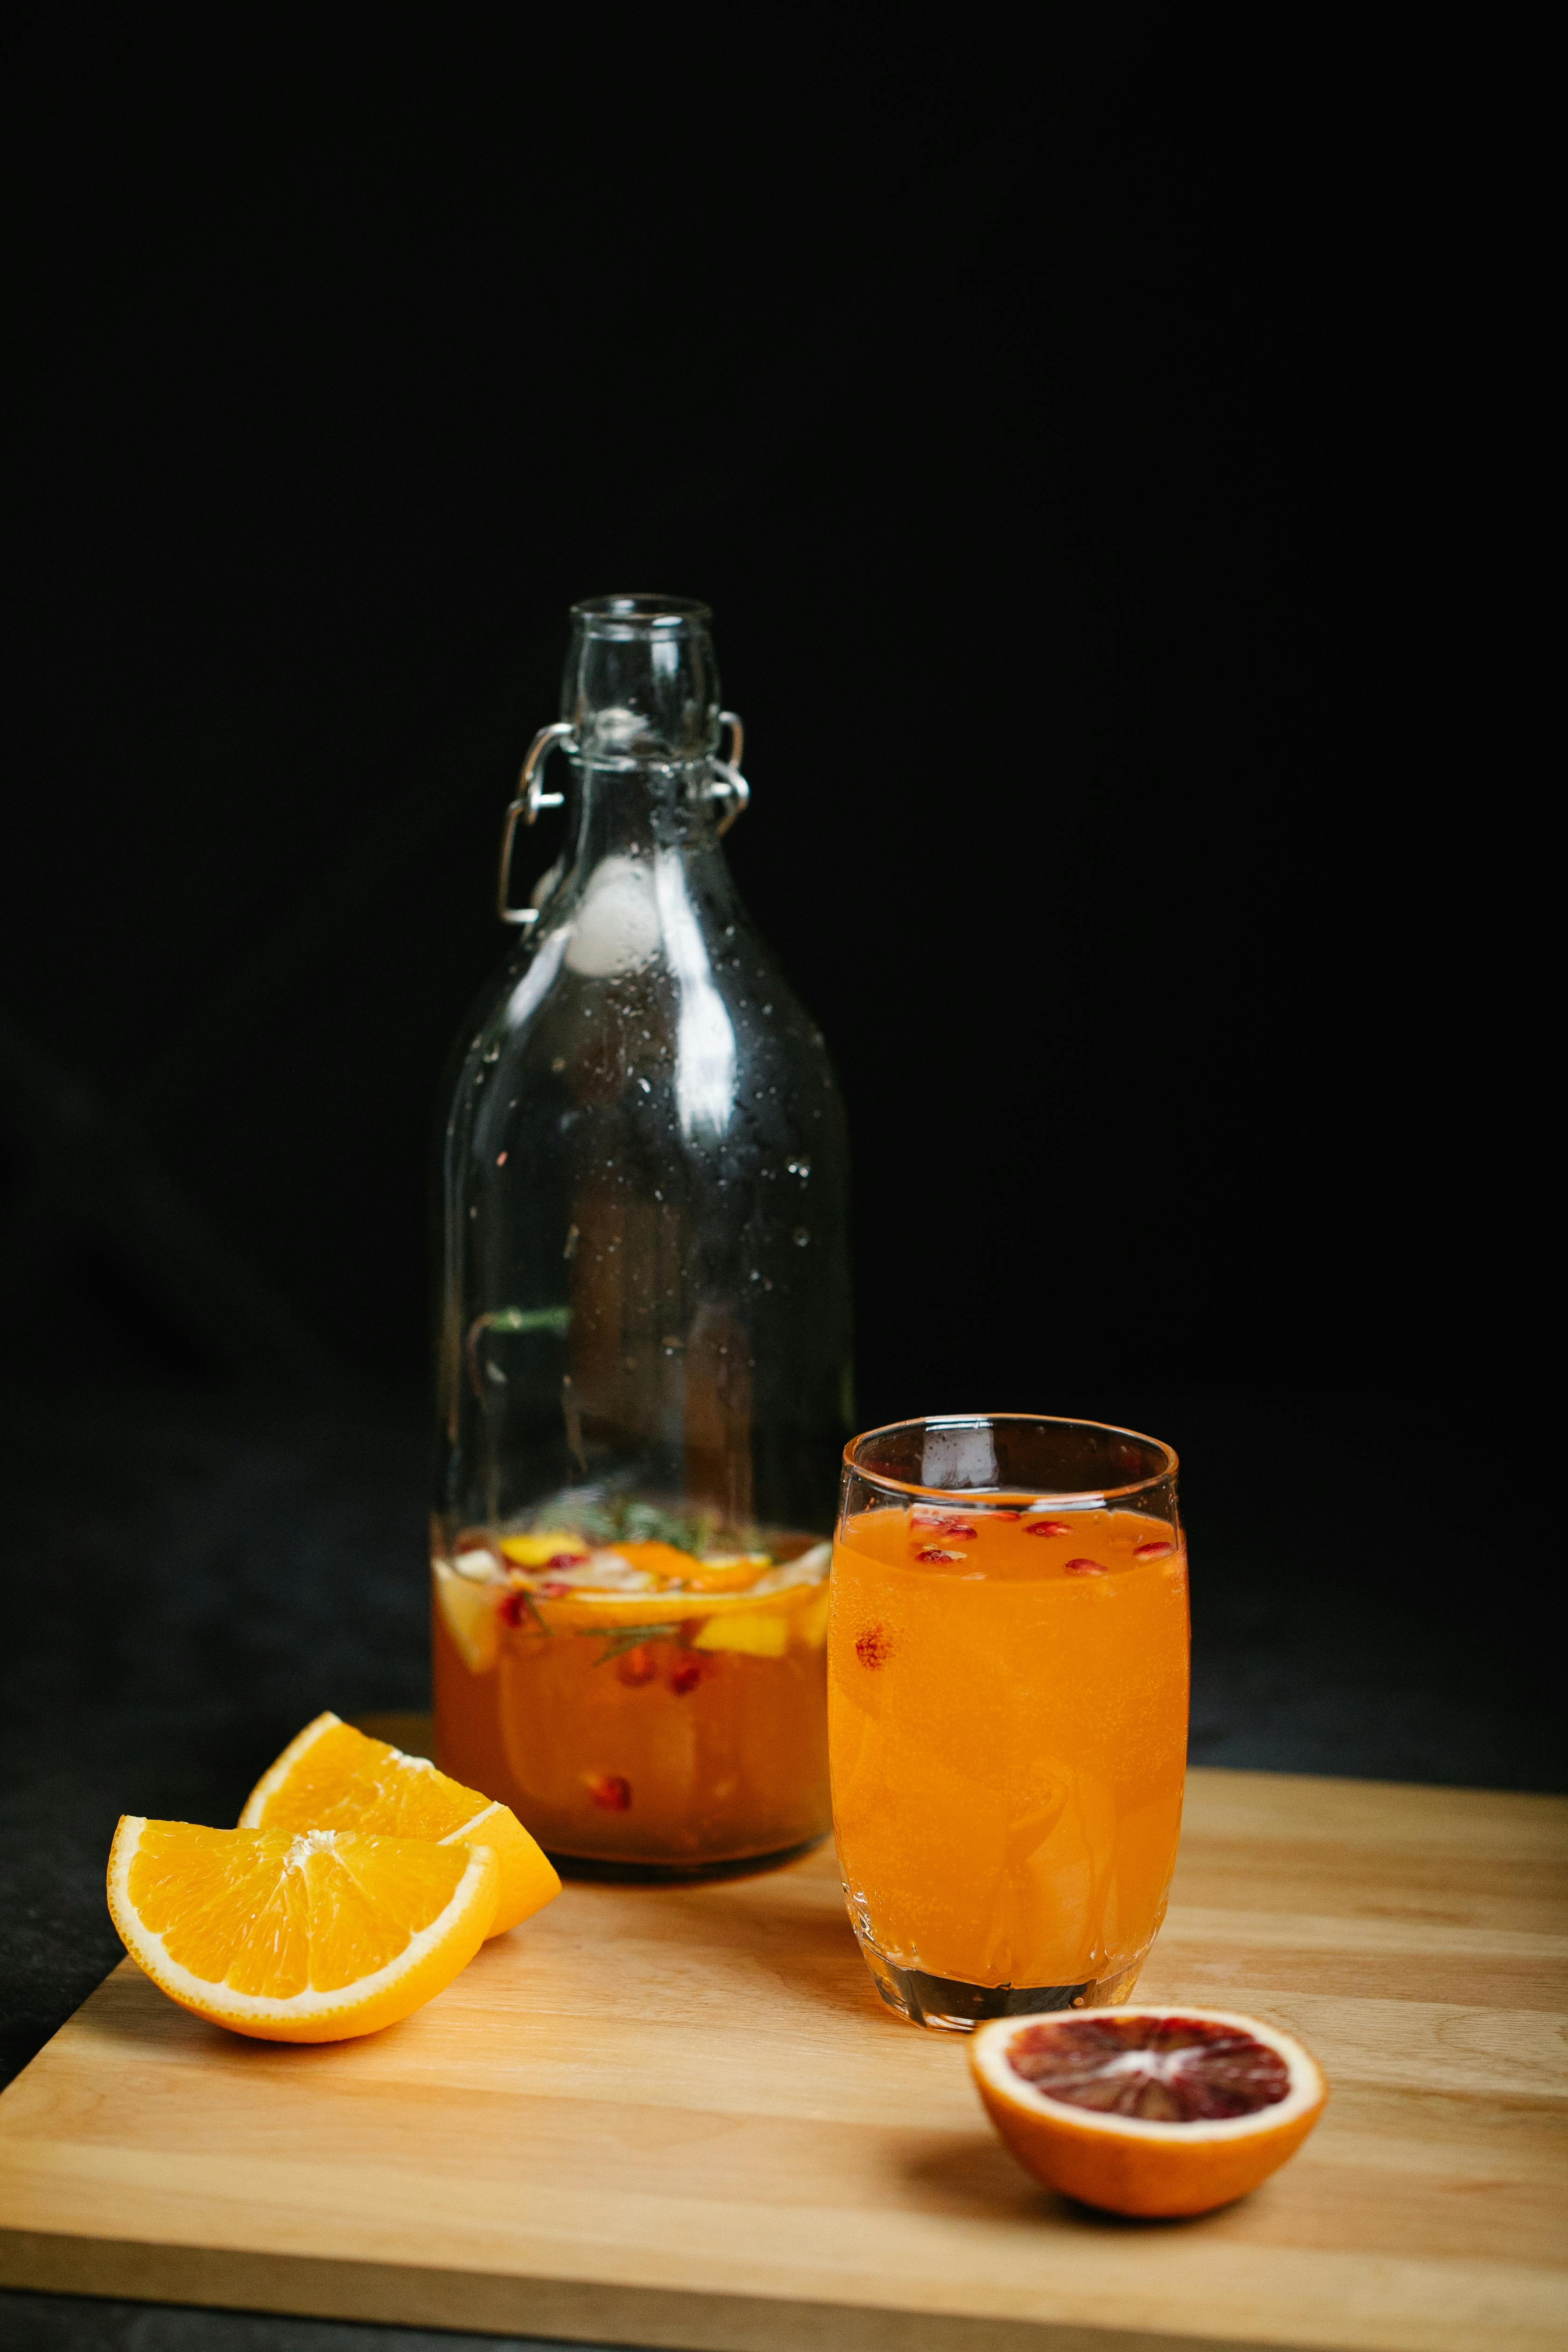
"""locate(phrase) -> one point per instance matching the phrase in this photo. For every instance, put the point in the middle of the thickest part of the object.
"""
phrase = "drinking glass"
(1007, 1709)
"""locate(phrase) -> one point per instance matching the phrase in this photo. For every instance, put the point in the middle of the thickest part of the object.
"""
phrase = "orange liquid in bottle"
(678, 1726)
(1007, 1720)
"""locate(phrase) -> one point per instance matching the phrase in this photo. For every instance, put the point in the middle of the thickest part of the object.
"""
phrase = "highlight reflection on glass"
(705, 1040)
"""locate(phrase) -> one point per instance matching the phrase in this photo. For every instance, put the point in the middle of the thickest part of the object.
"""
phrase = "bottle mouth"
(637, 617)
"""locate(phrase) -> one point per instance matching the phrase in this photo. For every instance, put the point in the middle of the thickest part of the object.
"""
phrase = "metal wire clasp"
(530, 798)
(728, 783)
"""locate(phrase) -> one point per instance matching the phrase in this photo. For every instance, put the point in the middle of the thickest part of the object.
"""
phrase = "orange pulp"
(1008, 1724)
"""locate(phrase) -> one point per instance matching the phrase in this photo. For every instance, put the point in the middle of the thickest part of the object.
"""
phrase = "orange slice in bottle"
(335, 1777)
(1145, 2110)
(310, 1937)
(540, 1551)
(660, 1559)
(733, 1571)
(469, 1604)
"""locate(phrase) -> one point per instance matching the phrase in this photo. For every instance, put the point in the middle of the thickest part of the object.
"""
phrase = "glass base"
(948, 2005)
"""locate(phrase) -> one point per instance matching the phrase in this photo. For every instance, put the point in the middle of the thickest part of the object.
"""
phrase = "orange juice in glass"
(1007, 1709)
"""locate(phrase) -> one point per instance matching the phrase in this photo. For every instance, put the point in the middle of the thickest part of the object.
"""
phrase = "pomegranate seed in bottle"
(566, 1559)
(935, 1551)
(685, 1676)
(873, 1648)
(517, 1611)
(553, 1590)
(1048, 1527)
(637, 1666)
(611, 1791)
(1154, 1551)
(1084, 1568)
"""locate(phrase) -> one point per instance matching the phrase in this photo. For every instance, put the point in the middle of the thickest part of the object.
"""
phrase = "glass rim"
(979, 1497)
(612, 616)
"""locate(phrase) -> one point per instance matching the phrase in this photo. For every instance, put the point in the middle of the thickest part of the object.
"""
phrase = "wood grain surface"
(679, 2117)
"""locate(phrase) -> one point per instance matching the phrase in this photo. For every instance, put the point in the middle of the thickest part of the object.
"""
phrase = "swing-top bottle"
(643, 1354)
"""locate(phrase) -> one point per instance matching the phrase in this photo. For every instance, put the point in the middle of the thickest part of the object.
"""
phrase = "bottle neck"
(636, 809)
(640, 694)
(641, 687)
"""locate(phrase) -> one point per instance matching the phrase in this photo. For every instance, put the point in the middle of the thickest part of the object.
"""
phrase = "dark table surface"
(191, 1577)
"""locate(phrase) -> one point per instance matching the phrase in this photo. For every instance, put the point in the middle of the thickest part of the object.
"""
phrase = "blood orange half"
(1145, 2110)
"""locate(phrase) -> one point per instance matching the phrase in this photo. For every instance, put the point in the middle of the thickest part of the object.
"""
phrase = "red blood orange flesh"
(1145, 2110)
(1175, 2069)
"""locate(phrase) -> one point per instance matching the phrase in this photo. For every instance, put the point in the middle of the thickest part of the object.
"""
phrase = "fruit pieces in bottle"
(636, 1702)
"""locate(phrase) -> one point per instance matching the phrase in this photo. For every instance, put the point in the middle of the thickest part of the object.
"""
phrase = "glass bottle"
(644, 1342)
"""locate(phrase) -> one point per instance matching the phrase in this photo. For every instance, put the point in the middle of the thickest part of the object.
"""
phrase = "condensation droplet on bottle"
(801, 1237)
(559, 1064)
(645, 1086)
(801, 1168)
(572, 1240)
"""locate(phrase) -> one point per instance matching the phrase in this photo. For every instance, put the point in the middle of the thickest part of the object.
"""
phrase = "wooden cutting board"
(680, 2117)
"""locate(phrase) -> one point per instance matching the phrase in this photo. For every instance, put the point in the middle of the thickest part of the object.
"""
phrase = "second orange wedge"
(335, 1777)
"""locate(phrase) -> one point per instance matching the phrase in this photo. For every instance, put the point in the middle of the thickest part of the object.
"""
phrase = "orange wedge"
(1145, 2110)
(660, 1560)
(335, 1777)
(312, 1937)
(539, 1552)
(732, 1571)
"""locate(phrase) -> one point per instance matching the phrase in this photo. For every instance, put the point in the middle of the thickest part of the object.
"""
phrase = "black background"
(1050, 431)
(1100, 450)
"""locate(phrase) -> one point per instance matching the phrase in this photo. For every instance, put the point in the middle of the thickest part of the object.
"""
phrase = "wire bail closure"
(530, 798)
(729, 782)
(728, 785)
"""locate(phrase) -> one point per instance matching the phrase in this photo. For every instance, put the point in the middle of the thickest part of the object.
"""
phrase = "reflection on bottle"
(705, 1039)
